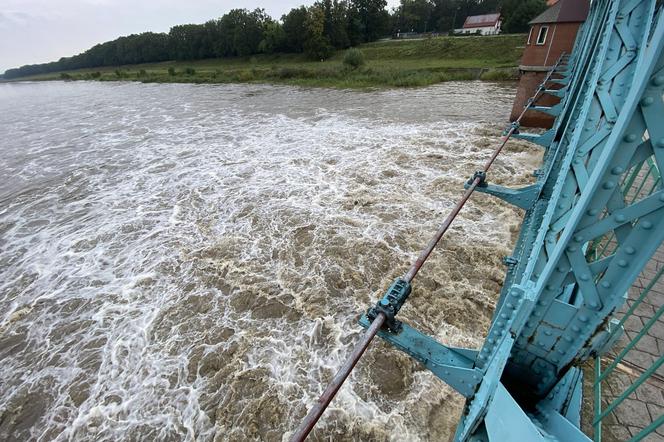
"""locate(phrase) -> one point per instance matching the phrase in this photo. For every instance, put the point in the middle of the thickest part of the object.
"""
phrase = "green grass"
(390, 63)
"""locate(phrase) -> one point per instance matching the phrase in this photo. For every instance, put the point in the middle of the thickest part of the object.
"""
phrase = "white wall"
(487, 30)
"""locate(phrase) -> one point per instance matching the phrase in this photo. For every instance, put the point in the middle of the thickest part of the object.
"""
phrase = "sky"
(39, 31)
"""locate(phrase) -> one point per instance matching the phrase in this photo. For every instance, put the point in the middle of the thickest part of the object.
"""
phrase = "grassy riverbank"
(393, 63)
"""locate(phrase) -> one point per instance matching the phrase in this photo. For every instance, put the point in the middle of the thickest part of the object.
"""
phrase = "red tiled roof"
(481, 21)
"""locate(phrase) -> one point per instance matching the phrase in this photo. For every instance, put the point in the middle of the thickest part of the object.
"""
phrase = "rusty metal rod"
(424, 255)
(324, 401)
(417, 265)
(317, 411)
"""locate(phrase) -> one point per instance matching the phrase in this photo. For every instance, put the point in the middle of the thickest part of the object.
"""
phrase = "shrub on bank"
(245, 75)
(354, 58)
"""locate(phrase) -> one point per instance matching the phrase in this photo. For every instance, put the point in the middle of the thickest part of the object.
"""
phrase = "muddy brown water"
(183, 262)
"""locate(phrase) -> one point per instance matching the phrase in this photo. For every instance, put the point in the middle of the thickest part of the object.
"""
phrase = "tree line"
(317, 31)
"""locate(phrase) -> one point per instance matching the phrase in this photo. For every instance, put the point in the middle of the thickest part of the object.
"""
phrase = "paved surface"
(646, 404)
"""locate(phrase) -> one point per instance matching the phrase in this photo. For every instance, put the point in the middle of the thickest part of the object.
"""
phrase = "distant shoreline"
(389, 64)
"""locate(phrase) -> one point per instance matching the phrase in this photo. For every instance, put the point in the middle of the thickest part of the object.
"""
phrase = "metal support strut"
(384, 312)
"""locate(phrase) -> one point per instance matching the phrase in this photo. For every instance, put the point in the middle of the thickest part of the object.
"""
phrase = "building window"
(530, 34)
(541, 37)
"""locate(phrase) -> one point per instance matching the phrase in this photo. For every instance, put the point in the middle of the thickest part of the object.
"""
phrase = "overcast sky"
(38, 31)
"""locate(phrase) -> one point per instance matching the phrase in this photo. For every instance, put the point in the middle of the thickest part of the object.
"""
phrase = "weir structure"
(593, 221)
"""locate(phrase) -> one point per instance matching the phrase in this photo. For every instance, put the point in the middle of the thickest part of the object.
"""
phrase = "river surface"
(184, 262)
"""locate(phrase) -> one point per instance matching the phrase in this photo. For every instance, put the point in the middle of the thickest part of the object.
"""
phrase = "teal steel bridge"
(593, 220)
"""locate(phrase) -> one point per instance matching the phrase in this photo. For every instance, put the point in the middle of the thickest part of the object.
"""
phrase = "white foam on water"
(189, 262)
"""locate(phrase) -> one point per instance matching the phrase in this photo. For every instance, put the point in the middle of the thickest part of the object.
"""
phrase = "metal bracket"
(563, 81)
(453, 366)
(559, 414)
(510, 261)
(558, 427)
(514, 127)
(543, 140)
(477, 406)
(566, 397)
(552, 110)
(523, 198)
(506, 420)
(603, 341)
(390, 304)
(560, 93)
(479, 174)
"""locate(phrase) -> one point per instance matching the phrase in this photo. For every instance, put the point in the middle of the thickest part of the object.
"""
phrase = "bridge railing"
(628, 383)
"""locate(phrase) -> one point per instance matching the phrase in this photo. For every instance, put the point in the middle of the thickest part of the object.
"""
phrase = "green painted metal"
(648, 430)
(625, 394)
(523, 198)
(646, 328)
(641, 182)
(645, 175)
(597, 390)
(640, 299)
(631, 191)
(601, 375)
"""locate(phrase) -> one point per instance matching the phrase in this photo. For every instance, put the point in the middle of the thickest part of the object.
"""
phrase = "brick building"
(552, 33)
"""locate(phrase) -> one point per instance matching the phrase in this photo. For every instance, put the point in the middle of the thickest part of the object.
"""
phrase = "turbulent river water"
(182, 262)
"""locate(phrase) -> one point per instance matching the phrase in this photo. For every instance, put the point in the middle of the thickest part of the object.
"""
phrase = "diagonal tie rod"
(324, 401)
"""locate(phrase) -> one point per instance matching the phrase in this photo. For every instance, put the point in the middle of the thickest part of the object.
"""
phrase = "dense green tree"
(210, 39)
(373, 21)
(336, 23)
(242, 31)
(316, 44)
(354, 26)
(274, 38)
(295, 28)
(326, 6)
(415, 15)
(133, 49)
(186, 41)
(519, 12)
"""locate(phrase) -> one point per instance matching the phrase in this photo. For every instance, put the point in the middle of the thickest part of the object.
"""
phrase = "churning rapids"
(183, 262)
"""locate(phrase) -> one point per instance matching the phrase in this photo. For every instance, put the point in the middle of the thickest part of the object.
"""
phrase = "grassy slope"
(388, 63)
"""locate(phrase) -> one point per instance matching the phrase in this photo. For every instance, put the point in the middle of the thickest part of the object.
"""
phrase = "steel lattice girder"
(555, 302)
